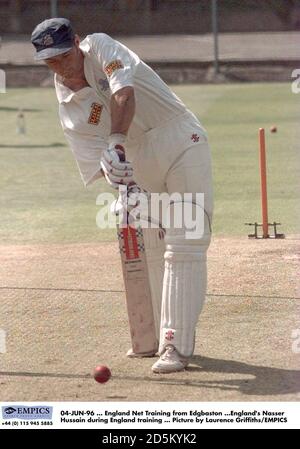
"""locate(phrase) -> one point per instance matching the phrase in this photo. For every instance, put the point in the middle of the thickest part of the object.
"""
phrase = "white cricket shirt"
(85, 115)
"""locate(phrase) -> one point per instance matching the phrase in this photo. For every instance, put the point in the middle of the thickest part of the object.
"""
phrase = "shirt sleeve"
(87, 150)
(117, 61)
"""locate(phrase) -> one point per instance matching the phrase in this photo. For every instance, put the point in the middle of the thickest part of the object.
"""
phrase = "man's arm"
(122, 107)
(87, 150)
(113, 161)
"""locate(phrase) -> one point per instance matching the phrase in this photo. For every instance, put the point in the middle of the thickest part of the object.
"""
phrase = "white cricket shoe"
(170, 361)
(140, 355)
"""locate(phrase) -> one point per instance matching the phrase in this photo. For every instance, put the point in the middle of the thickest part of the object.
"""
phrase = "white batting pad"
(184, 289)
(155, 248)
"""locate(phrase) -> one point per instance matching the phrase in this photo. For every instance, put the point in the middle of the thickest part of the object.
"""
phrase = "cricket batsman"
(112, 104)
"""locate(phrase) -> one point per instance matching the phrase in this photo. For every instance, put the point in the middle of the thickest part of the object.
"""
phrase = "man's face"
(68, 64)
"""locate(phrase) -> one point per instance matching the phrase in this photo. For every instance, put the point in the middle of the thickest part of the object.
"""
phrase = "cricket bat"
(137, 288)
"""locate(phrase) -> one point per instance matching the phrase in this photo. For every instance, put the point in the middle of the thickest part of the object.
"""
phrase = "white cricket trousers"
(176, 158)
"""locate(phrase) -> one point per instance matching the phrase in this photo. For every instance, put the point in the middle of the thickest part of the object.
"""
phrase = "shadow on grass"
(265, 381)
(51, 145)
(55, 375)
(101, 290)
(10, 109)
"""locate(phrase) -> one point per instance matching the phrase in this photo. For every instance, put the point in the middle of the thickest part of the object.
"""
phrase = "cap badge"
(48, 40)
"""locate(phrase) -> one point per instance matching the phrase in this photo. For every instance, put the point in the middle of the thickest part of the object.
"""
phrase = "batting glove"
(113, 163)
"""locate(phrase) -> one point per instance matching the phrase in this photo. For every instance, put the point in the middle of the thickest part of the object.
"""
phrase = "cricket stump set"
(265, 225)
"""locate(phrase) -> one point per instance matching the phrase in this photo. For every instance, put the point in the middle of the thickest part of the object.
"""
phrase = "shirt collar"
(64, 94)
(85, 45)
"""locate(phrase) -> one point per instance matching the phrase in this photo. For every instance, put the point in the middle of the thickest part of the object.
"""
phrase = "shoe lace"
(169, 353)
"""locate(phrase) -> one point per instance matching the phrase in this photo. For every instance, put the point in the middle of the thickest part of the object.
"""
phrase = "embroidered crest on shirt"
(104, 84)
(95, 114)
(195, 138)
(113, 66)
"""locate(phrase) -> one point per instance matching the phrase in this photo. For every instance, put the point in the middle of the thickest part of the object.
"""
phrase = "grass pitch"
(62, 294)
(65, 313)
(44, 200)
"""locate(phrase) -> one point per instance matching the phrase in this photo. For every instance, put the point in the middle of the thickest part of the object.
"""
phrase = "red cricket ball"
(101, 374)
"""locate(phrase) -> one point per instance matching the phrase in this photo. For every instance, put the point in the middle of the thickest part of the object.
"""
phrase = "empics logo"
(10, 410)
(27, 412)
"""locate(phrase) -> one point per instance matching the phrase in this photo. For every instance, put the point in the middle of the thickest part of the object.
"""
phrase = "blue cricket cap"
(52, 37)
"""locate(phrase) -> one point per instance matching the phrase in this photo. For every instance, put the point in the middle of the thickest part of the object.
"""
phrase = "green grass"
(232, 119)
(43, 198)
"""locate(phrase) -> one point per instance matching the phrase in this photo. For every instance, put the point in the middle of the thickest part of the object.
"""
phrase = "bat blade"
(137, 288)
